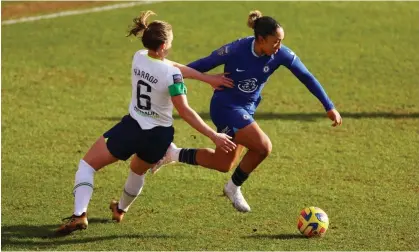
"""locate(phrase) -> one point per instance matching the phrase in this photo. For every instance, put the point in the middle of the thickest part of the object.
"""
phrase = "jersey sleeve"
(176, 83)
(216, 58)
(313, 85)
(287, 57)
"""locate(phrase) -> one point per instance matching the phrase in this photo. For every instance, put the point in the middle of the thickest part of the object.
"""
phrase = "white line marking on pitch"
(75, 12)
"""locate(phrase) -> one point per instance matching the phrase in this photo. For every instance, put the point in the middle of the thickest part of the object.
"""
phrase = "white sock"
(83, 187)
(132, 189)
(176, 153)
(231, 186)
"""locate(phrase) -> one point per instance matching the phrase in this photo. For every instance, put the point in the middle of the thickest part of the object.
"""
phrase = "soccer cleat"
(72, 224)
(236, 197)
(117, 214)
(169, 158)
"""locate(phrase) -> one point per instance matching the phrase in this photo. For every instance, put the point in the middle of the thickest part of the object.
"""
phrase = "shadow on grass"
(43, 236)
(302, 116)
(275, 236)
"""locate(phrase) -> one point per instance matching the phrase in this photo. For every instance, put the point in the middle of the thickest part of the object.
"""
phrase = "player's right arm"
(217, 81)
(216, 58)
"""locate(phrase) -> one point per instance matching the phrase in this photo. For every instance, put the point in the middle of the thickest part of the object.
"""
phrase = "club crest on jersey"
(248, 85)
(266, 69)
(177, 78)
(222, 51)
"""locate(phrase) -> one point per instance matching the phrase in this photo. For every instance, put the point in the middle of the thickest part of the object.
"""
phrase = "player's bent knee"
(225, 167)
(223, 162)
(266, 148)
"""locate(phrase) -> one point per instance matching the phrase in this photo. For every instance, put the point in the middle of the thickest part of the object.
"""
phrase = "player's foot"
(170, 157)
(236, 197)
(72, 224)
(117, 214)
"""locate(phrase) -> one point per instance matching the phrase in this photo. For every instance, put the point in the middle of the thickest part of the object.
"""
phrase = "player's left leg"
(259, 147)
(227, 121)
(151, 148)
(133, 187)
(240, 124)
(209, 158)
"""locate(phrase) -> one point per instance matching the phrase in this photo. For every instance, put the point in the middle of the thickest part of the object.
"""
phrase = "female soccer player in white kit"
(147, 130)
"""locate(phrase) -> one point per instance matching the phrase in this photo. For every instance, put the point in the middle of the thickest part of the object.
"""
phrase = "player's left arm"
(217, 81)
(294, 64)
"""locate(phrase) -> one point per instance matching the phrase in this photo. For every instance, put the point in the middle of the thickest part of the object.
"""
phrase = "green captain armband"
(178, 89)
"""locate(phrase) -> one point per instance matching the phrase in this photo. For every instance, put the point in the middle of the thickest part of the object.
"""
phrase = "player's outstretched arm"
(192, 118)
(217, 81)
(314, 86)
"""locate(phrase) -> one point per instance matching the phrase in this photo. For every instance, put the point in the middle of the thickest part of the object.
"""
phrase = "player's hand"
(219, 81)
(224, 142)
(334, 115)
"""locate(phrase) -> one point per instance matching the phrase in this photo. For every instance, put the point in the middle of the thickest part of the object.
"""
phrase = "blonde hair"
(253, 16)
(153, 34)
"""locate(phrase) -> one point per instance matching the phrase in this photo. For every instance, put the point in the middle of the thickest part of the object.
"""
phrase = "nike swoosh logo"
(238, 70)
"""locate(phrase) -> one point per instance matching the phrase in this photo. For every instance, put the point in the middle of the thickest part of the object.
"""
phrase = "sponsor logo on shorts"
(226, 130)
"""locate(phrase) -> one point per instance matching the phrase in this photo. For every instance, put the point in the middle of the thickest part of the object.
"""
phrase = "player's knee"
(265, 148)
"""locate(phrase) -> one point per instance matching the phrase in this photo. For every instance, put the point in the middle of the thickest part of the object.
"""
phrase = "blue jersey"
(250, 72)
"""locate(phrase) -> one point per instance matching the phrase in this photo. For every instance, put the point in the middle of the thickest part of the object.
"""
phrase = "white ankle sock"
(132, 189)
(176, 153)
(83, 187)
(231, 186)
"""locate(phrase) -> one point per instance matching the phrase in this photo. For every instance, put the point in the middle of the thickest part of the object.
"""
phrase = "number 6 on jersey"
(146, 98)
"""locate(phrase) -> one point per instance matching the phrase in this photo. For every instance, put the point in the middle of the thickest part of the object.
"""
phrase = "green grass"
(65, 81)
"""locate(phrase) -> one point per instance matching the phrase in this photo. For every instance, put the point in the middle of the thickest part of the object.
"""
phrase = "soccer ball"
(313, 222)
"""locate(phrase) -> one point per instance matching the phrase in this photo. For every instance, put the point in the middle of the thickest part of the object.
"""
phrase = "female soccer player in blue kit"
(250, 61)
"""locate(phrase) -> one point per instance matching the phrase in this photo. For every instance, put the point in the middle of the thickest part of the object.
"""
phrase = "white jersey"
(151, 103)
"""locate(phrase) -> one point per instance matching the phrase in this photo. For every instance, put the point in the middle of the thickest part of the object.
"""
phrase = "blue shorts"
(127, 137)
(229, 120)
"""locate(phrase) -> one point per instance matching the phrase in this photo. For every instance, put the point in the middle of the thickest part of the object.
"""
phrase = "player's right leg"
(114, 145)
(171, 156)
(96, 158)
